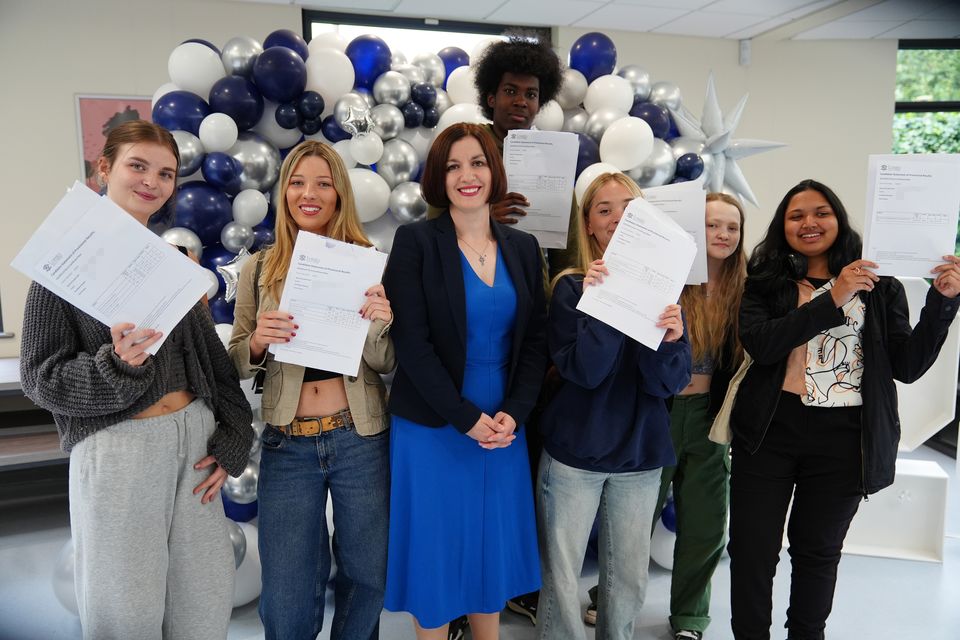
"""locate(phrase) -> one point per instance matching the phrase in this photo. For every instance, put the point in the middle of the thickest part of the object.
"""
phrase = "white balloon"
(481, 48)
(460, 86)
(250, 207)
(366, 148)
(246, 584)
(214, 288)
(329, 73)
(329, 40)
(420, 139)
(609, 91)
(195, 67)
(273, 132)
(573, 89)
(371, 192)
(344, 149)
(550, 117)
(63, 578)
(460, 113)
(588, 175)
(661, 545)
(626, 143)
(162, 91)
(224, 331)
(218, 132)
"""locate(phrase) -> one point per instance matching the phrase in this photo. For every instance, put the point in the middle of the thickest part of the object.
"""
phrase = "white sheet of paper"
(648, 257)
(324, 291)
(913, 203)
(685, 203)
(97, 257)
(542, 165)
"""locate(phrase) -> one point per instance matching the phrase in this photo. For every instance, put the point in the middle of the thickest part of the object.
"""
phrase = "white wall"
(830, 101)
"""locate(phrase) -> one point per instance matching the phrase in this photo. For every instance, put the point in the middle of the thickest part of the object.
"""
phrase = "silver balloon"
(191, 152)
(659, 167)
(240, 54)
(387, 121)
(575, 120)
(432, 66)
(599, 120)
(349, 106)
(407, 203)
(260, 161)
(63, 581)
(183, 237)
(235, 236)
(443, 101)
(239, 542)
(392, 87)
(638, 78)
(381, 231)
(397, 58)
(684, 145)
(230, 273)
(411, 73)
(368, 98)
(665, 94)
(243, 490)
(398, 163)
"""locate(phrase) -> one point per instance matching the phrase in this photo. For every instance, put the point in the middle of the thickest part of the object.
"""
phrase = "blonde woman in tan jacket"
(325, 431)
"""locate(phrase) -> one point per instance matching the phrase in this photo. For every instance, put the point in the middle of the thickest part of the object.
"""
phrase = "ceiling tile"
(895, 10)
(848, 30)
(761, 27)
(562, 12)
(690, 5)
(350, 5)
(472, 10)
(629, 17)
(924, 29)
(769, 8)
(708, 24)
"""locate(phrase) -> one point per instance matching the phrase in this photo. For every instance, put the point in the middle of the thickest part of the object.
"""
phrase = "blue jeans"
(295, 474)
(567, 501)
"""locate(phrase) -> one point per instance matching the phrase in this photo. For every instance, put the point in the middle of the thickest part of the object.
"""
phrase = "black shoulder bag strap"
(262, 373)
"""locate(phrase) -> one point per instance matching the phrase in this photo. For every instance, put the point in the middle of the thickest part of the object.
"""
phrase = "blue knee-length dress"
(462, 526)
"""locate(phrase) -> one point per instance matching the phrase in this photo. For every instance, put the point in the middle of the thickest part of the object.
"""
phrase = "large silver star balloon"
(231, 273)
(720, 150)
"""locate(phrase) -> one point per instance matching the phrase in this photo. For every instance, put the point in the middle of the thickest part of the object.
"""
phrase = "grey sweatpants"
(151, 561)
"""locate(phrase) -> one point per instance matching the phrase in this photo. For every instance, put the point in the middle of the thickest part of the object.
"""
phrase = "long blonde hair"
(344, 226)
(713, 320)
(588, 249)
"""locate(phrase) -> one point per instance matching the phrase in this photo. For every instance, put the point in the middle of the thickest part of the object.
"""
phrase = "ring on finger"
(857, 270)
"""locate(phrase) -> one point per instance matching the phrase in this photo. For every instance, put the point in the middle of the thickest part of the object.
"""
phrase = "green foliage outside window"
(926, 132)
(925, 75)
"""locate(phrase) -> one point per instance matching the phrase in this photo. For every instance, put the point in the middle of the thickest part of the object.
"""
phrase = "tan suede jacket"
(366, 393)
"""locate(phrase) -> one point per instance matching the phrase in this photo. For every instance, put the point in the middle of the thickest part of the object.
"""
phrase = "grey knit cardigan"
(68, 366)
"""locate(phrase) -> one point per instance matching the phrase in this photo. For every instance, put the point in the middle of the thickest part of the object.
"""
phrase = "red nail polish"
(296, 326)
(293, 334)
(287, 339)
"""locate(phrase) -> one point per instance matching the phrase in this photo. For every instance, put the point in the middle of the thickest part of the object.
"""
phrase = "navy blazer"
(424, 282)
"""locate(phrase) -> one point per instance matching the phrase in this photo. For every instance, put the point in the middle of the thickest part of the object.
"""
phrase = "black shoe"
(525, 605)
(686, 634)
(457, 628)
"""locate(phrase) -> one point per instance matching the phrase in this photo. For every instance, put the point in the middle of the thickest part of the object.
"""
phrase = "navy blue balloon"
(280, 74)
(669, 516)
(370, 57)
(262, 236)
(588, 154)
(180, 110)
(452, 57)
(679, 179)
(222, 312)
(289, 39)
(222, 171)
(310, 105)
(287, 116)
(654, 115)
(332, 131)
(674, 132)
(412, 115)
(205, 43)
(594, 55)
(424, 94)
(431, 116)
(234, 510)
(238, 98)
(689, 166)
(204, 209)
(312, 126)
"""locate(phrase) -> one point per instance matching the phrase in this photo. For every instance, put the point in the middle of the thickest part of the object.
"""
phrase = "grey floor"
(876, 598)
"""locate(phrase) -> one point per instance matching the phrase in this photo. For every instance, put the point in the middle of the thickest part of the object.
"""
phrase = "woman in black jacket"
(816, 415)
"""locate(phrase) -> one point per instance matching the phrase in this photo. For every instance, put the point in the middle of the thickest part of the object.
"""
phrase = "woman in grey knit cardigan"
(151, 438)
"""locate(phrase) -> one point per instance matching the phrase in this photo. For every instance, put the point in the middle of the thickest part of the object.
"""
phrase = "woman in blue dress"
(469, 333)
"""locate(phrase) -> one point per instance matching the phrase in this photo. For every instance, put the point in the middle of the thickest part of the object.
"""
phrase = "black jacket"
(769, 331)
(424, 282)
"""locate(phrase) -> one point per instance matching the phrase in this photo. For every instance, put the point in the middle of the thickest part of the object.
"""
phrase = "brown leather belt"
(313, 426)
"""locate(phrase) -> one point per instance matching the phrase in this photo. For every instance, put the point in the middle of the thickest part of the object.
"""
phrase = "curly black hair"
(521, 56)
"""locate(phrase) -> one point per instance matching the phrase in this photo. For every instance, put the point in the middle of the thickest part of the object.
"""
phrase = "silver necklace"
(481, 257)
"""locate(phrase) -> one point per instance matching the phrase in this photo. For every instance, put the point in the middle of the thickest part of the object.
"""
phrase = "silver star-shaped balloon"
(358, 121)
(231, 273)
(716, 132)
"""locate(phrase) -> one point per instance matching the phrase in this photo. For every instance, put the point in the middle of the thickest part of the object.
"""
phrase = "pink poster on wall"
(96, 116)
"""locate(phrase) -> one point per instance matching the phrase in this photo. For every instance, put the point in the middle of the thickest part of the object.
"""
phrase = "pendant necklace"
(481, 257)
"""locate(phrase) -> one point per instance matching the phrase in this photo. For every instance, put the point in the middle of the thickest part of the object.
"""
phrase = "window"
(927, 114)
(411, 36)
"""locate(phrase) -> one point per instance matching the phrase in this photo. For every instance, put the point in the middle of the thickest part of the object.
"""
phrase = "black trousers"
(814, 455)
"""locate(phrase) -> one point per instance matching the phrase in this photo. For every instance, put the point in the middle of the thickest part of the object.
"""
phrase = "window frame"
(927, 106)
